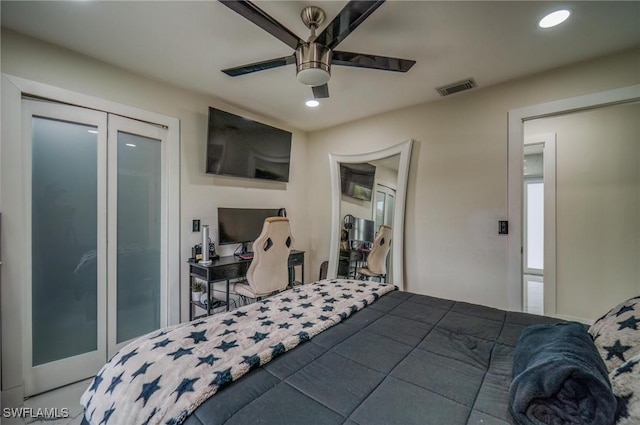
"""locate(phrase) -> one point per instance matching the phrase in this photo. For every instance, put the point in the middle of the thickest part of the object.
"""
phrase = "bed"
(405, 359)
(402, 358)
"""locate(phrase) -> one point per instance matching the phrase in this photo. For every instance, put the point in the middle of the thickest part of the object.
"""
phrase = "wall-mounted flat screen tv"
(357, 180)
(241, 147)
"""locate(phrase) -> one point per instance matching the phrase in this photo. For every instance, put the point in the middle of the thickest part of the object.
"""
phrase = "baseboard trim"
(13, 397)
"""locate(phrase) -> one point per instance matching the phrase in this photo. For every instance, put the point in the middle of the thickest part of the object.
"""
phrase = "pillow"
(617, 333)
(625, 382)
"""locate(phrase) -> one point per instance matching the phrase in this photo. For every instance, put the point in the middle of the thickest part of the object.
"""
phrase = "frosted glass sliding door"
(66, 296)
(97, 225)
(64, 240)
(135, 230)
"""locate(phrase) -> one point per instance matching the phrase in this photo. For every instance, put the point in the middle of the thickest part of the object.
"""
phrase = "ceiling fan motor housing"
(313, 64)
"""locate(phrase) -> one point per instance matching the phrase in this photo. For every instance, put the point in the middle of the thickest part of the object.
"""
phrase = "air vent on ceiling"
(456, 87)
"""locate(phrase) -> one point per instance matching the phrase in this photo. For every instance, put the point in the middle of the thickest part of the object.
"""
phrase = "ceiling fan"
(314, 57)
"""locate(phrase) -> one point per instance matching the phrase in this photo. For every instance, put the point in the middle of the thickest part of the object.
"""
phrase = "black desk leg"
(191, 306)
(227, 295)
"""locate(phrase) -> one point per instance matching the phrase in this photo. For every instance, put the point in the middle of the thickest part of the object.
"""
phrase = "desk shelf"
(208, 311)
(349, 261)
(215, 304)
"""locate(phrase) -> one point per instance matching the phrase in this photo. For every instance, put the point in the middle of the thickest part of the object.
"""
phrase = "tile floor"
(534, 288)
(65, 397)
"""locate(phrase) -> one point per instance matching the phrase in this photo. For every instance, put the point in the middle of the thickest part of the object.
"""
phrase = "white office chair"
(377, 258)
(268, 272)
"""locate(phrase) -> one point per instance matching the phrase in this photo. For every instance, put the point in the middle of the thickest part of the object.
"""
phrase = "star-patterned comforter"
(164, 376)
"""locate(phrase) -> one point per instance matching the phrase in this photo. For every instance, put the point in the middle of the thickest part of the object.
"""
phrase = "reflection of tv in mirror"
(240, 147)
(357, 180)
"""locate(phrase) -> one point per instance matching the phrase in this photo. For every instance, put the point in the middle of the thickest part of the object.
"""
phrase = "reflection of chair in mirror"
(377, 258)
(268, 272)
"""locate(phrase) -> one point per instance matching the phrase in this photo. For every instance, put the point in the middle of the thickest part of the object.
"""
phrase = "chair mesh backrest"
(377, 259)
(269, 269)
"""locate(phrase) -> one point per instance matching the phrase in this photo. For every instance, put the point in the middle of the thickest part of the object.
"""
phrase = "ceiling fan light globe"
(313, 64)
(313, 77)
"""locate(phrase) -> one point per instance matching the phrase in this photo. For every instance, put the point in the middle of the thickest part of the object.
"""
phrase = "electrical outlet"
(195, 226)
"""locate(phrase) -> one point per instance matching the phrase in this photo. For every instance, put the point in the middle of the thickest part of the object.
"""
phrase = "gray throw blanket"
(559, 378)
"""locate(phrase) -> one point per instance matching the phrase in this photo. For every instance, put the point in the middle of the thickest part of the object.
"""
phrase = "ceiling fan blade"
(320, 92)
(259, 66)
(352, 15)
(256, 15)
(362, 60)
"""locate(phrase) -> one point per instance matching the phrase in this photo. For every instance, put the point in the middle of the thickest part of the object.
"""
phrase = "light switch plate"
(503, 227)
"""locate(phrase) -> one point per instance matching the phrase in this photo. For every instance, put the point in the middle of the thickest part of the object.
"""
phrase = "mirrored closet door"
(94, 205)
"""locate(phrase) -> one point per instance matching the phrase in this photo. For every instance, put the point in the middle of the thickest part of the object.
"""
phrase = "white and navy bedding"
(162, 377)
(617, 338)
(404, 359)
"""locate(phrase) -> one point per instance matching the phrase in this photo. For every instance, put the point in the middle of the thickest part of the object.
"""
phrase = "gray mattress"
(405, 359)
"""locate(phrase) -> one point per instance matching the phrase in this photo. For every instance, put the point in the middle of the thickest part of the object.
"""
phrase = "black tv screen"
(241, 147)
(357, 180)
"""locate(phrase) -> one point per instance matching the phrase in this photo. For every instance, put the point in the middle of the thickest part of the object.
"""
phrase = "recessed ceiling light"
(312, 103)
(554, 18)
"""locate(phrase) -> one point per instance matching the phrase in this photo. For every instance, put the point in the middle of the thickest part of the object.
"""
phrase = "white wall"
(597, 207)
(458, 176)
(201, 194)
(457, 187)
(387, 176)
(356, 207)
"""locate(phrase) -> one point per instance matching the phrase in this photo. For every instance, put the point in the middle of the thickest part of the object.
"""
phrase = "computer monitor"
(362, 230)
(243, 225)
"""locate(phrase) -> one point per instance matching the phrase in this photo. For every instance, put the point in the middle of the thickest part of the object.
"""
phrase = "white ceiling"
(187, 43)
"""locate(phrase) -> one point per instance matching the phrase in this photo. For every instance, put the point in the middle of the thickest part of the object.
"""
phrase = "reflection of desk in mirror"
(350, 261)
(359, 235)
(227, 268)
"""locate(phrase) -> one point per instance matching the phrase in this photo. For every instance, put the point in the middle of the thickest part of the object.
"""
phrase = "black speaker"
(347, 221)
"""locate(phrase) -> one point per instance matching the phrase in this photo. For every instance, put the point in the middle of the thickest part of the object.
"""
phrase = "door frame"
(515, 146)
(12, 188)
(548, 141)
